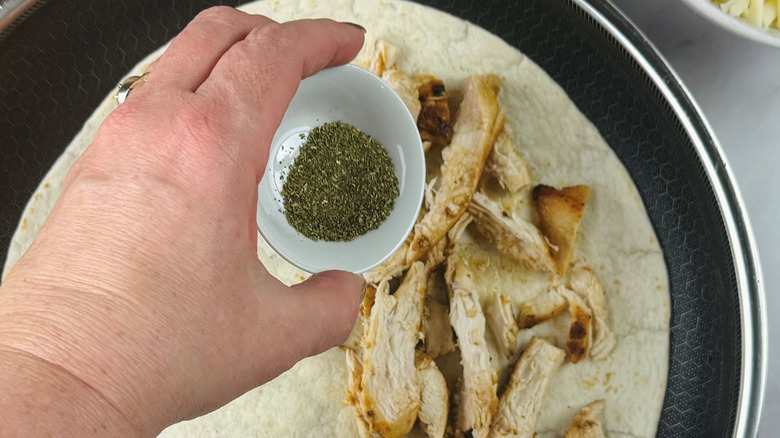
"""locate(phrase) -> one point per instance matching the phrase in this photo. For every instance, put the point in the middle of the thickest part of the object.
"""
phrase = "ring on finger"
(126, 86)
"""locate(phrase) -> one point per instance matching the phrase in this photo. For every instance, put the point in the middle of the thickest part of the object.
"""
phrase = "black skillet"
(59, 59)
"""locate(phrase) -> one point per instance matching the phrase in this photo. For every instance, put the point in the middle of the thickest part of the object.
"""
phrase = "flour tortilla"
(562, 147)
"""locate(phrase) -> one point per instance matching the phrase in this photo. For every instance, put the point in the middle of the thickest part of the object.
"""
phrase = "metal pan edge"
(13, 12)
(744, 252)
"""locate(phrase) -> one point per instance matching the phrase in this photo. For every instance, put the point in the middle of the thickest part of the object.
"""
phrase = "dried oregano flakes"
(341, 185)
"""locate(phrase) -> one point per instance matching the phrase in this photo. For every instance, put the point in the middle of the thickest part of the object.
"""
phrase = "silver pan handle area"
(13, 12)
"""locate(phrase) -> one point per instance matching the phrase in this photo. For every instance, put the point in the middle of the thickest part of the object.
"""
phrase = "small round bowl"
(352, 95)
(712, 12)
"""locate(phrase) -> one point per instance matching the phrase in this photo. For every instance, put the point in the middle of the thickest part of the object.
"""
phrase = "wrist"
(38, 398)
(61, 341)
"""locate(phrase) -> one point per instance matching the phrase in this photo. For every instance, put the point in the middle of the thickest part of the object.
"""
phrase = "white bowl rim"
(418, 198)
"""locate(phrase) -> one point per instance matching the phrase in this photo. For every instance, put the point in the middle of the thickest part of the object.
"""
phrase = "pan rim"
(748, 276)
(744, 253)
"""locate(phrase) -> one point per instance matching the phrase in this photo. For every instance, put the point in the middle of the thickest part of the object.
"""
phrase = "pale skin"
(142, 301)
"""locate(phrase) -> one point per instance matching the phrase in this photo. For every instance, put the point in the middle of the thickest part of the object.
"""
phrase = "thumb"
(326, 308)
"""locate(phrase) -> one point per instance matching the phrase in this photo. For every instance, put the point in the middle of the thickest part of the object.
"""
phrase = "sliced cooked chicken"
(434, 115)
(361, 325)
(354, 389)
(560, 212)
(368, 302)
(397, 263)
(585, 424)
(507, 165)
(584, 282)
(477, 400)
(425, 96)
(513, 236)
(438, 331)
(434, 397)
(436, 256)
(578, 340)
(388, 396)
(518, 410)
(454, 233)
(477, 125)
(428, 198)
(377, 56)
(541, 308)
(406, 87)
(501, 321)
(390, 268)
(550, 303)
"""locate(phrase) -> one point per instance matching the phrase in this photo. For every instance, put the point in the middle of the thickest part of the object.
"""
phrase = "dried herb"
(341, 185)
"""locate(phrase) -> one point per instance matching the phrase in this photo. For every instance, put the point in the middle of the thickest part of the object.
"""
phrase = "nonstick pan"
(59, 59)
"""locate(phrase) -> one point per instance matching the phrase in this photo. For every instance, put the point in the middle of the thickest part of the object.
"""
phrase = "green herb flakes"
(341, 185)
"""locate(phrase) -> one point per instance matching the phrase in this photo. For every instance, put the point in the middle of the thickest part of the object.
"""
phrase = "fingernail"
(363, 29)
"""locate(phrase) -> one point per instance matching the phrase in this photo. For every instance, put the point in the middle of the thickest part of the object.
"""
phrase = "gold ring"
(127, 85)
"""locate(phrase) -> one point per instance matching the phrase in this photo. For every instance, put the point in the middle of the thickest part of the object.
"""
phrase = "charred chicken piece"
(560, 212)
(434, 118)
(585, 424)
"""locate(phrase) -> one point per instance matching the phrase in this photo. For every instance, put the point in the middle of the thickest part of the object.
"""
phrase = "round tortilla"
(562, 147)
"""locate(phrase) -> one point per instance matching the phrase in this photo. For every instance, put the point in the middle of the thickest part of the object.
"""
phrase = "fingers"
(193, 53)
(325, 308)
(259, 75)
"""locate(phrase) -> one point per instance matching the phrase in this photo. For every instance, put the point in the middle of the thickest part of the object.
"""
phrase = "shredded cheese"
(758, 13)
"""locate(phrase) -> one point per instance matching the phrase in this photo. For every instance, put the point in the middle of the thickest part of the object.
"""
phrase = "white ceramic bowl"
(712, 11)
(352, 95)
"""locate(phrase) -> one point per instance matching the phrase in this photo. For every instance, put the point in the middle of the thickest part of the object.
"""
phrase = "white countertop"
(737, 84)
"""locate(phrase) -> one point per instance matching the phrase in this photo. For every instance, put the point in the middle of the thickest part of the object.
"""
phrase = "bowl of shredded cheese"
(753, 19)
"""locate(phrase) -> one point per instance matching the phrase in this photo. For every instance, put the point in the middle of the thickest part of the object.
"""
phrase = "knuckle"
(273, 36)
(219, 14)
(203, 127)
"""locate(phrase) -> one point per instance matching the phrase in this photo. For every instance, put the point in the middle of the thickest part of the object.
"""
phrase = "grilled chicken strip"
(397, 263)
(507, 165)
(434, 397)
(501, 320)
(386, 398)
(434, 115)
(438, 331)
(560, 212)
(584, 282)
(512, 236)
(477, 126)
(578, 340)
(477, 400)
(378, 56)
(354, 391)
(392, 267)
(585, 424)
(425, 96)
(541, 308)
(518, 410)
(550, 303)
(479, 122)
(407, 89)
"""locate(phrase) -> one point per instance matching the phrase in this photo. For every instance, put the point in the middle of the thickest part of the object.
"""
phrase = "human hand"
(143, 297)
